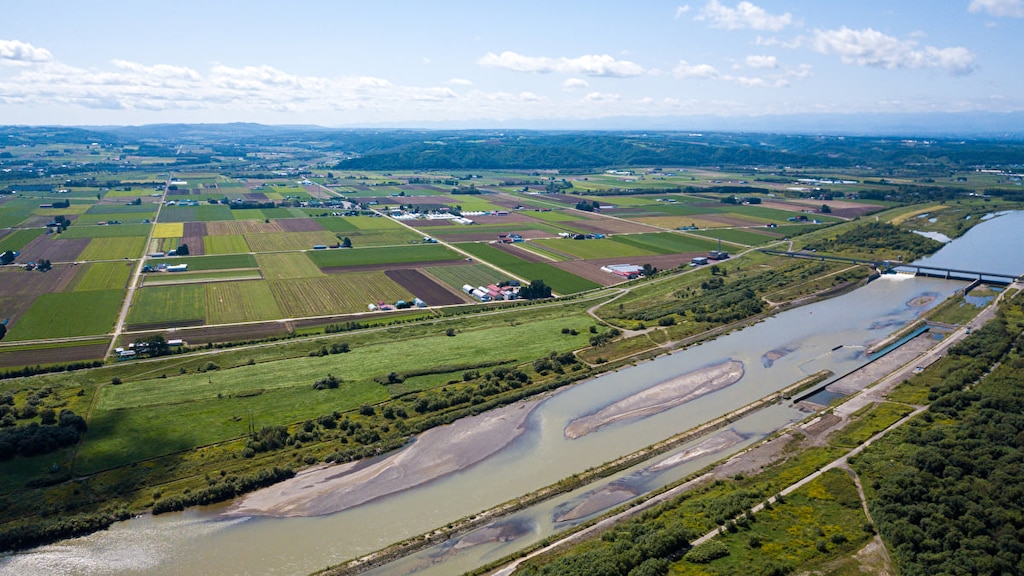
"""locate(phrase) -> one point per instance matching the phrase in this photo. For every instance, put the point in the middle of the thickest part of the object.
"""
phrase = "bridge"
(973, 276)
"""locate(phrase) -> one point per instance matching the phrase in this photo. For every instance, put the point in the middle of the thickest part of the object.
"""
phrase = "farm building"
(698, 261)
(629, 271)
(419, 303)
(718, 255)
(177, 268)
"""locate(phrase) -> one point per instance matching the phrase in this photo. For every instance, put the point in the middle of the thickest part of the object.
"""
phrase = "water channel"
(829, 335)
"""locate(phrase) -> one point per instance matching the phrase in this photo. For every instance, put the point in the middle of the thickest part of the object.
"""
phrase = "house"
(698, 261)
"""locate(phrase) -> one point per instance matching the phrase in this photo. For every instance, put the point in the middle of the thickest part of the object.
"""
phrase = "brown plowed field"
(179, 192)
(521, 253)
(611, 226)
(424, 287)
(194, 229)
(401, 266)
(52, 355)
(840, 208)
(47, 247)
(227, 333)
(590, 271)
(255, 196)
(300, 225)
(22, 287)
(195, 245)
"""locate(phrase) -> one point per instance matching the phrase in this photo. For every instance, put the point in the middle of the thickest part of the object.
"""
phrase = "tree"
(825, 209)
(536, 289)
(346, 243)
(649, 270)
(3, 331)
(6, 258)
(182, 250)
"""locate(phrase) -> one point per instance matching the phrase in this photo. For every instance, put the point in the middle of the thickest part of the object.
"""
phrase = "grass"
(598, 248)
(113, 248)
(200, 277)
(459, 276)
(233, 244)
(244, 301)
(109, 231)
(67, 314)
(164, 304)
(285, 265)
(559, 280)
(19, 239)
(555, 216)
(336, 294)
(738, 235)
(196, 263)
(102, 276)
(336, 224)
(275, 241)
(667, 243)
(384, 255)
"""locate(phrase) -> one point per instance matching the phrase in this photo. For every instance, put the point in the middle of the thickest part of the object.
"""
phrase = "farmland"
(279, 315)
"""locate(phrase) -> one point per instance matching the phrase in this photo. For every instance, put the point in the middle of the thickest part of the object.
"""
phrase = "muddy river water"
(829, 335)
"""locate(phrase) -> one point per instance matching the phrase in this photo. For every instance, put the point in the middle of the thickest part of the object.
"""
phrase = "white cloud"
(1013, 8)
(870, 47)
(680, 10)
(18, 51)
(529, 97)
(762, 61)
(601, 97)
(587, 65)
(744, 15)
(572, 83)
(686, 70)
(460, 82)
(749, 82)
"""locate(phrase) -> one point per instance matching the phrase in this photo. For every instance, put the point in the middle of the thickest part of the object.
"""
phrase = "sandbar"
(435, 453)
(660, 397)
(716, 443)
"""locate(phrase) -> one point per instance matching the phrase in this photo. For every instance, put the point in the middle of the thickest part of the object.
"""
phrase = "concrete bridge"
(917, 269)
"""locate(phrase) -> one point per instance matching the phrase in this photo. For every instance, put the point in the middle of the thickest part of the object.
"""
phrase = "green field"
(146, 418)
(201, 277)
(109, 231)
(18, 239)
(384, 255)
(337, 224)
(667, 243)
(233, 244)
(102, 276)
(597, 248)
(113, 248)
(336, 294)
(284, 265)
(472, 274)
(554, 216)
(275, 241)
(738, 235)
(559, 280)
(13, 212)
(164, 304)
(67, 314)
(144, 208)
(196, 263)
(244, 301)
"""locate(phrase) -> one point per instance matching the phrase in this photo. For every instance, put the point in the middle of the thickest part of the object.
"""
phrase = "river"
(775, 353)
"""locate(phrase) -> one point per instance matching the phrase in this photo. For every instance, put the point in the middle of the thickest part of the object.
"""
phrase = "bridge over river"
(973, 276)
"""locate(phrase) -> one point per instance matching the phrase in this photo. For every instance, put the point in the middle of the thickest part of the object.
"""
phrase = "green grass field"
(559, 280)
(336, 224)
(113, 248)
(68, 314)
(667, 243)
(233, 244)
(102, 276)
(146, 418)
(162, 304)
(109, 231)
(196, 263)
(201, 277)
(276, 241)
(598, 248)
(472, 274)
(384, 255)
(245, 301)
(14, 211)
(335, 294)
(285, 265)
(738, 235)
(554, 216)
(19, 239)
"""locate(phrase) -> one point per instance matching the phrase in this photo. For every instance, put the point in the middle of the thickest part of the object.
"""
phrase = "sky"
(493, 64)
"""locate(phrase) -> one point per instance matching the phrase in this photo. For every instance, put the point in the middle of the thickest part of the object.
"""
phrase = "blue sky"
(489, 64)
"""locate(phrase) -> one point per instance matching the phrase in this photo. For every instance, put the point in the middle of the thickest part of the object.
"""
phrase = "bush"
(707, 552)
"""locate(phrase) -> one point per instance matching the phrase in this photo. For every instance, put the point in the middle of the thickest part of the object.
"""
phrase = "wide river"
(775, 353)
